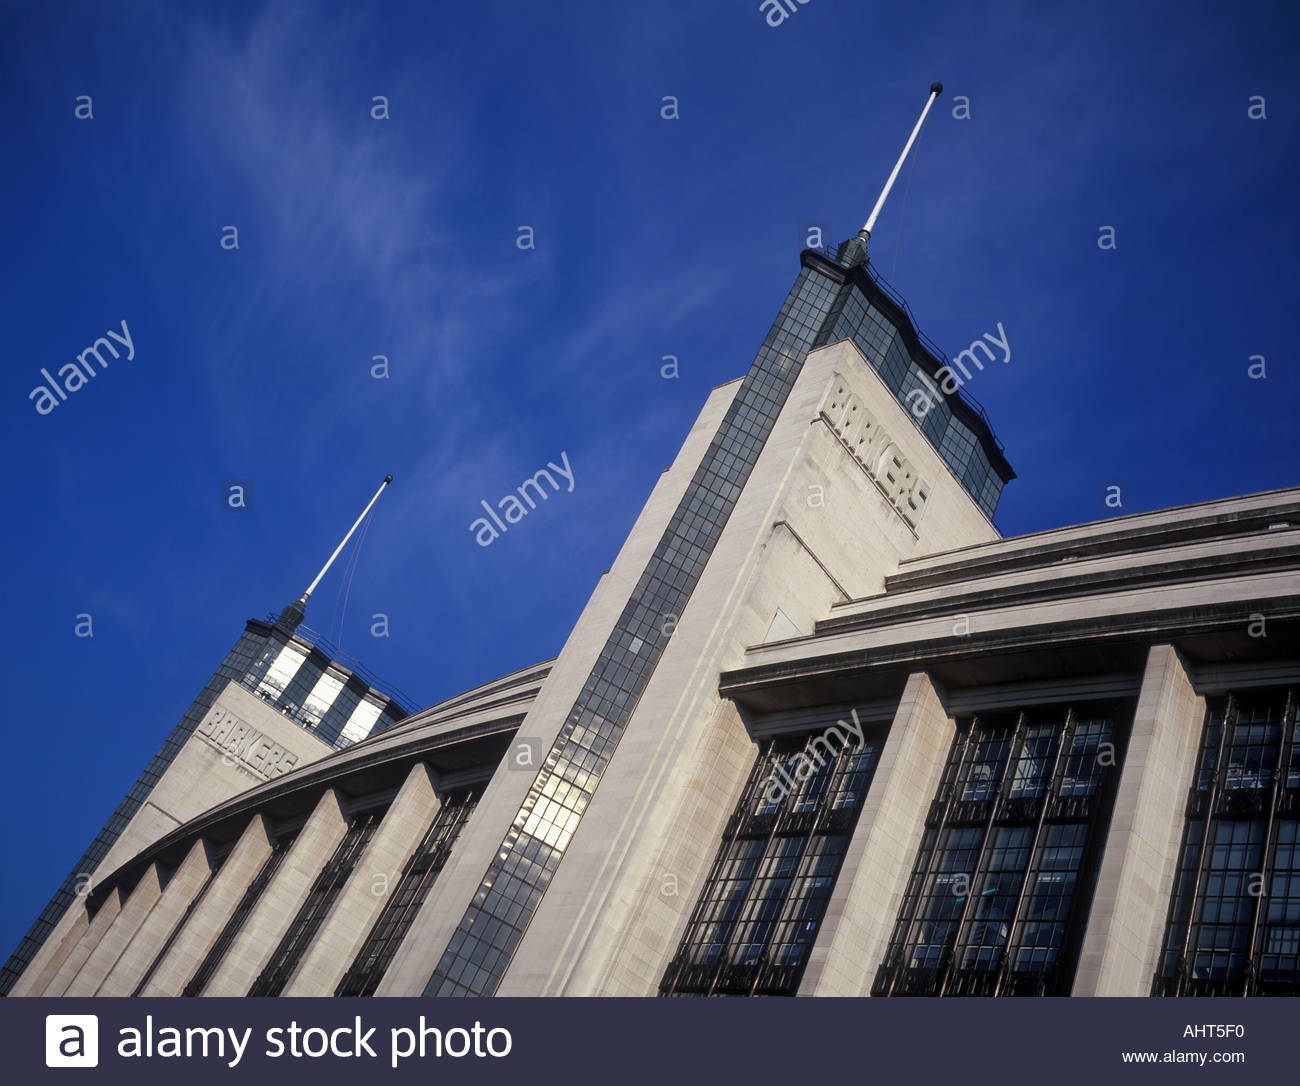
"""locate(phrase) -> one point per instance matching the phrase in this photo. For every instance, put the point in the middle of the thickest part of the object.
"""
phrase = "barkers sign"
(245, 744)
(874, 448)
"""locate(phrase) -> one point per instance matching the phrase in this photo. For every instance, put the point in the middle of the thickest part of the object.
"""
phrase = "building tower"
(831, 300)
(283, 696)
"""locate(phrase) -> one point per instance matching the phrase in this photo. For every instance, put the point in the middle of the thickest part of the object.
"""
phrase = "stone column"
(139, 953)
(1121, 944)
(864, 905)
(281, 899)
(207, 920)
(85, 946)
(124, 926)
(367, 890)
(55, 950)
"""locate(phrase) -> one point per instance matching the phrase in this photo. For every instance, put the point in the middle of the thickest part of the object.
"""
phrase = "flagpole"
(293, 614)
(855, 251)
(325, 569)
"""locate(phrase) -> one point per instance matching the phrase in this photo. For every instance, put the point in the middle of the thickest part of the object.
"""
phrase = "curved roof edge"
(461, 737)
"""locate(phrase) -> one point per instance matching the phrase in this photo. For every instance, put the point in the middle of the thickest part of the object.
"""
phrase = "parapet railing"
(831, 252)
(394, 693)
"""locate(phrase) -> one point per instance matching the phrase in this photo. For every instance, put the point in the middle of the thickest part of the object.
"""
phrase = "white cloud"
(336, 205)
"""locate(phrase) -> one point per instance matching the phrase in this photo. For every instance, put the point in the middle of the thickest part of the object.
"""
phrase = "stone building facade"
(820, 730)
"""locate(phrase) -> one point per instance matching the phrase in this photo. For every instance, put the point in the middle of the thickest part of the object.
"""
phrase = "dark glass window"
(1252, 757)
(983, 768)
(418, 877)
(320, 899)
(1279, 961)
(759, 912)
(1049, 893)
(1234, 918)
(279, 848)
(1000, 891)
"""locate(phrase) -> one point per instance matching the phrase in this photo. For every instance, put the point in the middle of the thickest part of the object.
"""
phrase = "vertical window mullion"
(964, 745)
(1270, 846)
(1207, 827)
(960, 927)
(1034, 844)
(765, 896)
(1033, 849)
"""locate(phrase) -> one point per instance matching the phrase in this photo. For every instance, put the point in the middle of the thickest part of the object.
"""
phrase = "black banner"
(513, 1041)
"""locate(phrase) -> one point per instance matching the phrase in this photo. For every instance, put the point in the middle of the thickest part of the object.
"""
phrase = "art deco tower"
(283, 696)
(831, 300)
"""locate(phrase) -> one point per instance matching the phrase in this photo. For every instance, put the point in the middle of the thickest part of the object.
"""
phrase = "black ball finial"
(388, 478)
(936, 88)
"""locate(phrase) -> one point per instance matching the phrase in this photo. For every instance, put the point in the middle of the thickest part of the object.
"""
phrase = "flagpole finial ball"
(388, 478)
(936, 88)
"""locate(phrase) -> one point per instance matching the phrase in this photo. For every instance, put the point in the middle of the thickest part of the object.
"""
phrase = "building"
(282, 697)
(820, 730)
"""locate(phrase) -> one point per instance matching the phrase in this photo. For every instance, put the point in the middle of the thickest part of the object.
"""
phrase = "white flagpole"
(935, 90)
(312, 587)
(854, 251)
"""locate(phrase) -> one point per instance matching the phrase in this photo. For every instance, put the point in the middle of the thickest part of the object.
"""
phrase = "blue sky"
(361, 237)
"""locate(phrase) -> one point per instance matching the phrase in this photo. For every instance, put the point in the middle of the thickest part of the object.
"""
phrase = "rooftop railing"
(352, 664)
(831, 252)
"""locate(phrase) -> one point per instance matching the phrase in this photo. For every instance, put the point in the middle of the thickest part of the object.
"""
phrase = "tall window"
(361, 722)
(759, 912)
(280, 674)
(418, 877)
(233, 926)
(320, 899)
(998, 896)
(1234, 919)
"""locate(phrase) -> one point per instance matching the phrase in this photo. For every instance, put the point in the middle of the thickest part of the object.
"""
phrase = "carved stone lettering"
(873, 448)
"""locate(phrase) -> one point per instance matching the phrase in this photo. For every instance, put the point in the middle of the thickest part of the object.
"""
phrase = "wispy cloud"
(337, 204)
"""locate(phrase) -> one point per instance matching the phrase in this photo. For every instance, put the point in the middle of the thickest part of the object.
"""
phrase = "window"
(981, 772)
(1280, 938)
(1084, 759)
(759, 912)
(320, 899)
(361, 721)
(1234, 918)
(957, 447)
(281, 672)
(317, 703)
(247, 903)
(1049, 892)
(1252, 757)
(993, 905)
(419, 875)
